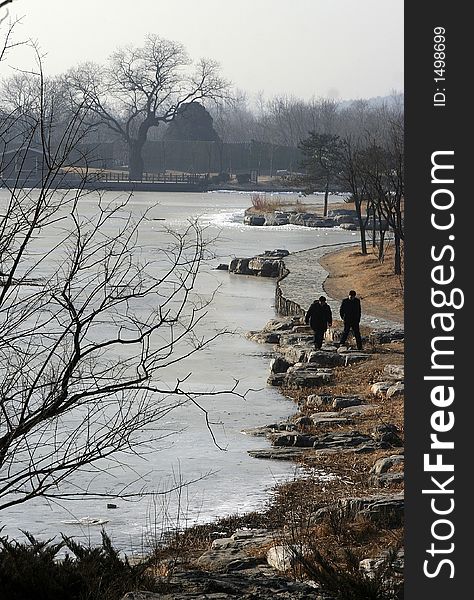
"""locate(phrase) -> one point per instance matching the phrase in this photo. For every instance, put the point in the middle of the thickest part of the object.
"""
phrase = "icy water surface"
(227, 480)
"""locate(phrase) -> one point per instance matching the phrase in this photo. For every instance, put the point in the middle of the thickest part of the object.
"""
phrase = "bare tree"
(140, 88)
(354, 176)
(92, 318)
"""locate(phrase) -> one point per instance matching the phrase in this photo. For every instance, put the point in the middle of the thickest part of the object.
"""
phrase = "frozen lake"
(227, 480)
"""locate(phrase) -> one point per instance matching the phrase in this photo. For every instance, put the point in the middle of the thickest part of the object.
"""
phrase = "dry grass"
(261, 203)
(380, 291)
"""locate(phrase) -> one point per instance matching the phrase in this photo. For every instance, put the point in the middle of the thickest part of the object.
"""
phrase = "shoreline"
(344, 427)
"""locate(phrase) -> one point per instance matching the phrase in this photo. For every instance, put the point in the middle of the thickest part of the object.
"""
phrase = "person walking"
(319, 317)
(350, 312)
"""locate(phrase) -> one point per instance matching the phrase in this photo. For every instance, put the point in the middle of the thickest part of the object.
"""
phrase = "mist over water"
(226, 479)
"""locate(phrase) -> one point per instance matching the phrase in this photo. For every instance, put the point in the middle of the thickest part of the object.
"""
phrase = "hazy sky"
(338, 48)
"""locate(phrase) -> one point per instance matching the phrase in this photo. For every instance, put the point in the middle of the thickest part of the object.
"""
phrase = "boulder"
(300, 377)
(255, 220)
(293, 439)
(383, 465)
(382, 510)
(264, 267)
(380, 388)
(276, 379)
(303, 422)
(340, 440)
(344, 219)
(294, 353)
(263, 337)
(349, 226)
(326, 421)
(279, 365)
(277, 218)
(386, 336)
(396, 372)
(325, 359)
(318, 400)
(283, 324)
(396, 390)
(345, 401)
(336, 212)
(387, 434)
(355, 411)
(278, 453)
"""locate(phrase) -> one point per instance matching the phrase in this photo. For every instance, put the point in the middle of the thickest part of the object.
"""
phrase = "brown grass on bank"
(380, 290)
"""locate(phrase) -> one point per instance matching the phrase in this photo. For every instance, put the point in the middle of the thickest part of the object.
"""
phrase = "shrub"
(32, 571)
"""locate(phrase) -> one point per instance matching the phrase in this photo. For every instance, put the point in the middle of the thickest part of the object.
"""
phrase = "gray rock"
(280, 558)
(340, 440)
(277, 218)
(396, 372)
(396, 390)
(264, 267)
(380, 389)
(277, 253)
(278, 453)
(294, 353)
(349, 226)
(345, 219)
(336, 212)
(300, 377)
(331, 421)
(297, 439)
(276, 379)
(267, 430)
(325, 359)
(388, 433)
(303, 422)
(355, 411)
(255, 220)
(345, 401)
(315, 417)
(381, 510)
(279, 365)
(319, 400)
(386, 336)
(263, 337)
(283, 324)
(382, 465)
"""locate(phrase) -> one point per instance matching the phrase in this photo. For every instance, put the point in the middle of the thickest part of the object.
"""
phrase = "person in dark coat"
(319, 317)
(350, 312)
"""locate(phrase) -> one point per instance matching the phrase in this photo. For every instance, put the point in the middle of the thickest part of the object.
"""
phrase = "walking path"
(296, 291)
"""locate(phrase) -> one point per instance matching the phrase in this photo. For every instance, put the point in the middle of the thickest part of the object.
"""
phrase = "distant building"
(23, 163)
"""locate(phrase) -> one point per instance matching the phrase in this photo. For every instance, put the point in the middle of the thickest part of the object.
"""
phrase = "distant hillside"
(377, 101)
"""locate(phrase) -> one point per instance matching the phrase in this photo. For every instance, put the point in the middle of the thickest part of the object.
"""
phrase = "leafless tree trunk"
(140, 88)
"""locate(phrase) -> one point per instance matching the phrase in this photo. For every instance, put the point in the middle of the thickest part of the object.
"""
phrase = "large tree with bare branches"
(139, 88)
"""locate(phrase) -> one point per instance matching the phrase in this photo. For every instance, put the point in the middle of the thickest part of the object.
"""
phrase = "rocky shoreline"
(339, 417)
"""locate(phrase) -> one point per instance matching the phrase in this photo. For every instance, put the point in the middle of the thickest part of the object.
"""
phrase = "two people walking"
(319, 318)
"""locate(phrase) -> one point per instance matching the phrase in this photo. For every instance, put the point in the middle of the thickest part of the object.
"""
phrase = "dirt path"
(380, 291)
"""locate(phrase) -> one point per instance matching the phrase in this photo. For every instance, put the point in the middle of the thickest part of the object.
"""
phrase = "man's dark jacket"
(319, 316)
(350, 310)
